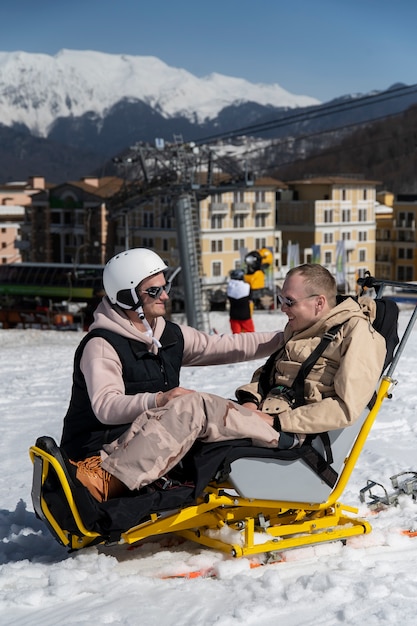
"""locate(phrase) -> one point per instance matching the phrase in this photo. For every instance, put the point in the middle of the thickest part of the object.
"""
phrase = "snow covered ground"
(372, 580)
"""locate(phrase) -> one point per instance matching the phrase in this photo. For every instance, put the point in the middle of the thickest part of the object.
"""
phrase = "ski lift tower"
(170, 169)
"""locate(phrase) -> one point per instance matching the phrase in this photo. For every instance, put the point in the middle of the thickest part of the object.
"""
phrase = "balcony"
(219, 208)
(241, 207)
(405, 235)
(262, 207)
(405, 224)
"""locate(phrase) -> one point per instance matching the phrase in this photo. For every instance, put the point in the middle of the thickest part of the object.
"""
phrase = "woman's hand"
(163, 397)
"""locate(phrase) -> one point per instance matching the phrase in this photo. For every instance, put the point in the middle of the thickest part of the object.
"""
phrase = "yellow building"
(332, 219)
(385, 252)
(235, 222)
(14, 197)
(404, 238)
(232, 220)
(396, 257)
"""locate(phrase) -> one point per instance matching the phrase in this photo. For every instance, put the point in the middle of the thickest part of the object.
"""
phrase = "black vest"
(83, 434)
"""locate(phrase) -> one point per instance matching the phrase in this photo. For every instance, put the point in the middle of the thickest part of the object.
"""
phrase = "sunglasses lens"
(156, 292)
(286, 301)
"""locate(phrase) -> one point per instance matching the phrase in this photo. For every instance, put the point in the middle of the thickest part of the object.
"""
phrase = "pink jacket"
(102, 369)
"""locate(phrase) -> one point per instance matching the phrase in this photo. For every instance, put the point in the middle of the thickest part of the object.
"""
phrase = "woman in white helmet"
(129, 365)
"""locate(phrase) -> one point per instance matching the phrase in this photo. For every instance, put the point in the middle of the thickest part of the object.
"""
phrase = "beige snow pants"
(159, 438)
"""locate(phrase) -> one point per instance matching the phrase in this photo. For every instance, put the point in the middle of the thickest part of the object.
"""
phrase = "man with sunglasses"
(129, 363)
(341, 382)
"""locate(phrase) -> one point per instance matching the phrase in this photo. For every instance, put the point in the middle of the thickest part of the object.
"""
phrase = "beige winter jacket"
(342, 381)
(102, 369)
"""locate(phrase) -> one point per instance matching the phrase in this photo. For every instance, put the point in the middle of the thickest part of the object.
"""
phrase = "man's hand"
(252, 406)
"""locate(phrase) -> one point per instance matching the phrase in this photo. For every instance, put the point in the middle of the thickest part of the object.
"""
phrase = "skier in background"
(241, 304)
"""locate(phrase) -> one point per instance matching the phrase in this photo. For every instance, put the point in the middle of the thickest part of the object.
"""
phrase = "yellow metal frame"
(67, 539)
(261, 525)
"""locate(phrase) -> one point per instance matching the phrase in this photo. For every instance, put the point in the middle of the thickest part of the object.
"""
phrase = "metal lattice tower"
(176, 169)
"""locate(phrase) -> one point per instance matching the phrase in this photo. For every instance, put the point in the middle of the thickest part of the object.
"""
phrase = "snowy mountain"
(68, 115)
(37, 89)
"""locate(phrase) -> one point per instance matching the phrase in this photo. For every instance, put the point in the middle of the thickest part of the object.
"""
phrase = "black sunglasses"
(156, 292)
(289, 302)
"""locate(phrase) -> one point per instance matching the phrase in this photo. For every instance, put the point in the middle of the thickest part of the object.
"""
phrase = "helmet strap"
(137, 306)
(146, 324)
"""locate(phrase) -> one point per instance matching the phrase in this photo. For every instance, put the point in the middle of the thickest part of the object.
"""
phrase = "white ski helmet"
(123, 273)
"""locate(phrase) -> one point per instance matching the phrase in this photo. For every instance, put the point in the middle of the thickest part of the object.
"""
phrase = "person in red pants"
(241, 305)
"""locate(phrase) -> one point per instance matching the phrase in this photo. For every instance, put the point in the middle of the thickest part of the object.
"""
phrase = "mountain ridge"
(36, 89)
(51, 124)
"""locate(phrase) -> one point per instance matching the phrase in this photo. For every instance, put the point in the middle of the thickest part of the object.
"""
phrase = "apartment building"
(232, 220)
(332, 219)
(14, 197)
(384, 249)
(67, 223)
(396, 241)
(235, 222)
(404, 238)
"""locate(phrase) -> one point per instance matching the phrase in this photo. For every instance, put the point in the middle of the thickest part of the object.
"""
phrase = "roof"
(268, 181)
(334, 180)
(106, 187)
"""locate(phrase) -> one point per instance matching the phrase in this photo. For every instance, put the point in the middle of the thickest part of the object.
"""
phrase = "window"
(238, 196)
(406, 219)
(365, 194)
(238, 221)
(405, 253)
(328, 237)
(217, 246)
(363, 235)
(343, 194)
(166, 221)
(362, 215)
(405, 274)
(238, 244)
(260, 196)
(328, 216)
(165, 245)
(147, 242)
(362, 256)
(148, 219)
(260, 243)
(217, 222)
(345, 236)
(216, 268)
(327, 258)
(346, 215)
(260, 220)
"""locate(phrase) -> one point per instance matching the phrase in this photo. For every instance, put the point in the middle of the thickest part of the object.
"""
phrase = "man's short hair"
(317, 279)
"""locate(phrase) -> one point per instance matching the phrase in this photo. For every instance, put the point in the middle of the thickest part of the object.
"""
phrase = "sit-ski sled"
(254, 501)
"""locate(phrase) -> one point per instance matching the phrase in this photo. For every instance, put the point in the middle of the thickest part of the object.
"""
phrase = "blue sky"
(322, 48)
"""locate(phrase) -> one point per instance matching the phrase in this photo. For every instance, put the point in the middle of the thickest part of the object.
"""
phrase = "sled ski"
(254, 504)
